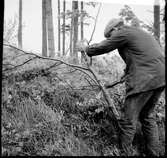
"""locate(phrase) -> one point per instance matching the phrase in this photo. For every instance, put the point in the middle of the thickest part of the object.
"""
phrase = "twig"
(56, 64)
(16, 66)
(88, 81)
(113, 84)
(47, 58)
(87, 74)
(64, 81)
(79, 68)
(105, 93)
(94, 28)
(95, 24)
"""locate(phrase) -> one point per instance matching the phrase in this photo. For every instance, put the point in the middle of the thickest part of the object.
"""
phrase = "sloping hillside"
(52, 109)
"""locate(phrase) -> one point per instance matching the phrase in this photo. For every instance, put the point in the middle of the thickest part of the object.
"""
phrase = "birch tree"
(20, 25)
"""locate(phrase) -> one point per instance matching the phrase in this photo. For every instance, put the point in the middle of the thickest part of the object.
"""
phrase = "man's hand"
(82, 45)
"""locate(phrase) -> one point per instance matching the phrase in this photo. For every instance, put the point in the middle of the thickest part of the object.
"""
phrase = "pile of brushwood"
(52, 109)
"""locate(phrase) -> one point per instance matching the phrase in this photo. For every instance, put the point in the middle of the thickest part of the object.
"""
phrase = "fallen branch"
(47, 58)
(16, 66)
(79, 68)
(105, 93)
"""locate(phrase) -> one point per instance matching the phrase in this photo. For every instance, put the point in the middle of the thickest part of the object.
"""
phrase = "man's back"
(144, 59)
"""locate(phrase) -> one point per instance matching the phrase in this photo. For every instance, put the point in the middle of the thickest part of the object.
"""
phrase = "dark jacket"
(145, 63)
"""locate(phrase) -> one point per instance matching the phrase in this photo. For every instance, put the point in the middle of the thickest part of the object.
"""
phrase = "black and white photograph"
(83, 78)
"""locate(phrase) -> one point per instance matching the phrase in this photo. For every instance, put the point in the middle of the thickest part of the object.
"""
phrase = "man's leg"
(149, 125)
(133, 106)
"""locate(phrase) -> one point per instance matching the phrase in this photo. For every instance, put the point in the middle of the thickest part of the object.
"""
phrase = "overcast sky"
(32, 18)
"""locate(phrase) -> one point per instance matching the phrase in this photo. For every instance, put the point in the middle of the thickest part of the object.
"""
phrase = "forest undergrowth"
(51, 109)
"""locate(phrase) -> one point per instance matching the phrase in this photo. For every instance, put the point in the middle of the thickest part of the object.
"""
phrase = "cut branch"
(105, 93)
(16, 66)
(46, 58)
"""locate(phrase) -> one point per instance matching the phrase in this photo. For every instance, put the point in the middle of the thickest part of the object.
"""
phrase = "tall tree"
(20, 25)
(64, 24)
(71, 31)
(75, 30)
(59, 28)
(157, 19)
(51, 46)
(82, 27)
(74, 15)
(44, 32)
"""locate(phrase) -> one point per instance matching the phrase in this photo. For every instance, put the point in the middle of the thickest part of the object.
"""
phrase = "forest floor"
(52, 109)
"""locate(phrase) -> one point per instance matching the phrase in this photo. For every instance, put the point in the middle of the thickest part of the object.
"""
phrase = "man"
(145, 79)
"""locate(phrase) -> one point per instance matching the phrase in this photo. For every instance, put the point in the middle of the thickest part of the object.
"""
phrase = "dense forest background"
(52, 104)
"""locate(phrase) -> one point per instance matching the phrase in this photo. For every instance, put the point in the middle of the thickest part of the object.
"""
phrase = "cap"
(110, 25)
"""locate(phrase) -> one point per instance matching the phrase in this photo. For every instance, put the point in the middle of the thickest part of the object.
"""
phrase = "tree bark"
(157, 20)
(82, 29)
(51, 46)
(71, 32)
(44, 32)
(20, 25)
(59, 45)
(64, 8)
(75, 33)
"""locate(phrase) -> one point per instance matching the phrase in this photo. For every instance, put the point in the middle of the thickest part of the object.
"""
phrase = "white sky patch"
(135, 2)
(32, 18)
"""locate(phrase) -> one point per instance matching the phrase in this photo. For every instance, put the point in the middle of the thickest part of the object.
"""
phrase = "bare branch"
(46, 58)
(113, 84)
(64, 81)
(56, 64)
(79, 68)
(88, 81)
(105, 92)
(95, 24)
(16, 66)
(87, 75)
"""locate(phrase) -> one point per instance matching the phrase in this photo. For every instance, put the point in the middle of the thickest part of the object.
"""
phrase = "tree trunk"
(75, 33)
(64, 8)
(59, 28)
(82, 29)
(71, 32)
(20, 25)
(82, 32)
(157, 19)
(51, 46)
(44, 33)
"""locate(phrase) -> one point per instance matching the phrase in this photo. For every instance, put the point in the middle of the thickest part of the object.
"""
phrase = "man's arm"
(117, 40)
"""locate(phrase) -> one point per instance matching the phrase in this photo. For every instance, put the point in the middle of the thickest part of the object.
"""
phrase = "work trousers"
(141, 107)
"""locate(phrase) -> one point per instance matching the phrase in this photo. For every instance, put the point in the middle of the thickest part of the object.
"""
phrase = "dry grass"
(53, 112)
